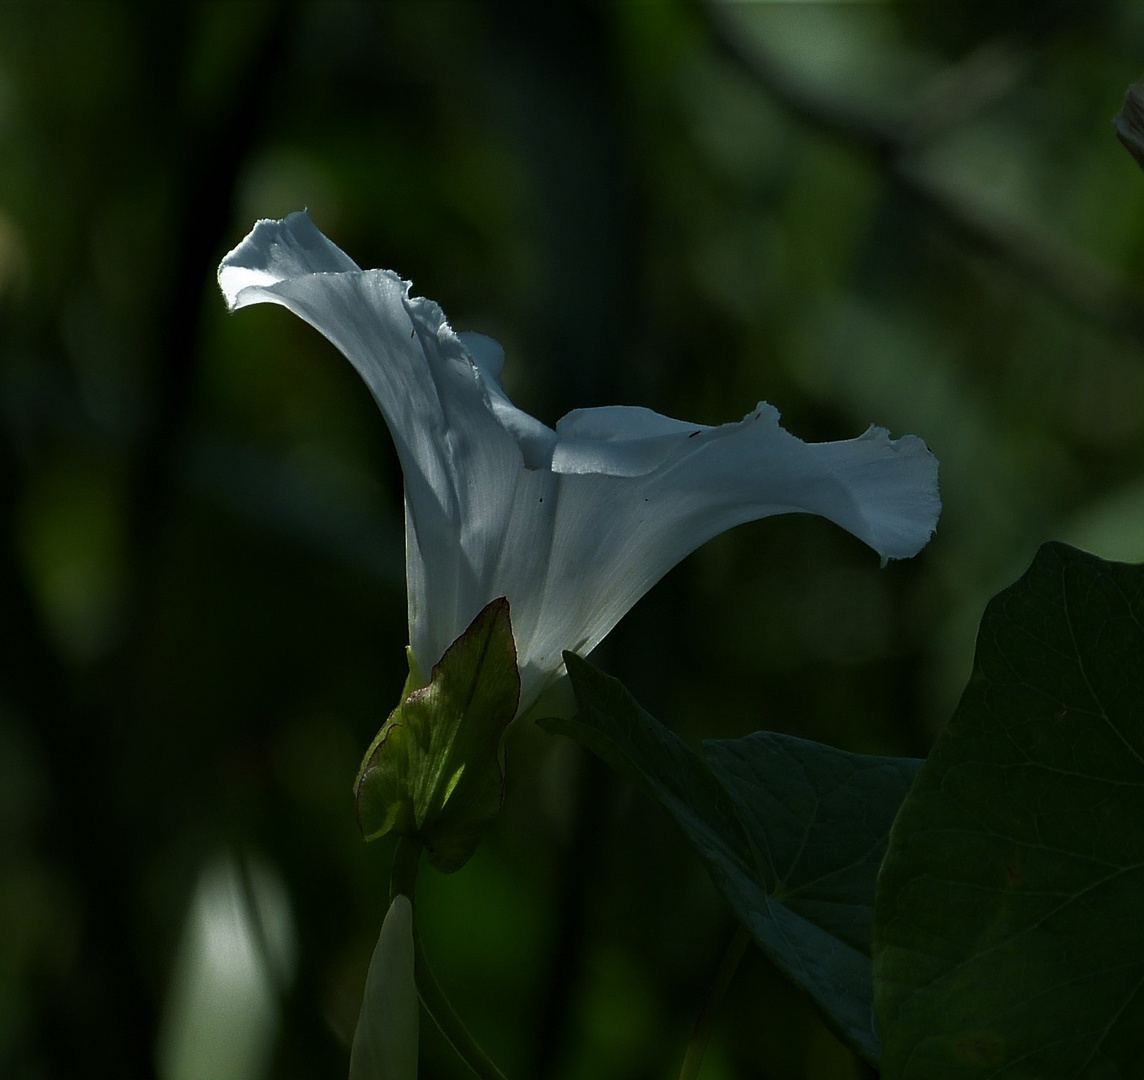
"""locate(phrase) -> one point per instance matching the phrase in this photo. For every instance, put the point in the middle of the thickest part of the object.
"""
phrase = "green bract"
(435, 770)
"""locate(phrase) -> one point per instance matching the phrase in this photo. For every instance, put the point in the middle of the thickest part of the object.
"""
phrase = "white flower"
(572, 525)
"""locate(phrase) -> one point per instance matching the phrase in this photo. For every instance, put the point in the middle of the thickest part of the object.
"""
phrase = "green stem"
(438, 1007)
(693, 1059)
(406, 860)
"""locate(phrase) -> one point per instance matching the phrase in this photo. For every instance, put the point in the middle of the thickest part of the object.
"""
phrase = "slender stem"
(438, 1007)
(406, 862)
(403, 880)
(693, 1059)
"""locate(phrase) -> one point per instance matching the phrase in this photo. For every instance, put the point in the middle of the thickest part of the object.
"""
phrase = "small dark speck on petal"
(412, 333)
(542, 498)
(693, 434)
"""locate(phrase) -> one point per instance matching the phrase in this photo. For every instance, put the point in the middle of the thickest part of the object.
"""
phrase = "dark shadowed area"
(911, 214)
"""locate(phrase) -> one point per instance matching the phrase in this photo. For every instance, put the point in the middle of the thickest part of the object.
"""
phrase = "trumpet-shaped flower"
(572, 524)
(565, 528)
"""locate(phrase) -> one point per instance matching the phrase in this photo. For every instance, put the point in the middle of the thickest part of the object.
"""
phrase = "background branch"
(899, 142)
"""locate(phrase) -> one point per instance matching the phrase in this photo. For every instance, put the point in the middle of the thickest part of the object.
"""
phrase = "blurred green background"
(913, 214)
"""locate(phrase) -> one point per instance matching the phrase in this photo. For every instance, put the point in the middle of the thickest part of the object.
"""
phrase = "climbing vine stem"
(693, 1059)
(403, 880)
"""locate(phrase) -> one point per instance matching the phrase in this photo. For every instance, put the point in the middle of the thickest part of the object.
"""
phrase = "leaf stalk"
(701, 1033)
(403, 879)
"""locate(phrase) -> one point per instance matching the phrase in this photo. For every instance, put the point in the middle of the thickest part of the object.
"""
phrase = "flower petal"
(572, 525)
(457, 457)
(619, 526)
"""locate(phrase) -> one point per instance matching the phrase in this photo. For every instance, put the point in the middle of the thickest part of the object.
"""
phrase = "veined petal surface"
(572, 525)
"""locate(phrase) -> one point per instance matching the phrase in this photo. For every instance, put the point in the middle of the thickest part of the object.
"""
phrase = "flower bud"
(385, 1042)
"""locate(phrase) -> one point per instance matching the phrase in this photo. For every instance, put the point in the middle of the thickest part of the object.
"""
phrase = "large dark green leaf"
(1009, 939)
(791, 831)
